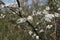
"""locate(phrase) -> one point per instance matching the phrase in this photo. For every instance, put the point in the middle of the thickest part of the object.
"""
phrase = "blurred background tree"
(30, 20)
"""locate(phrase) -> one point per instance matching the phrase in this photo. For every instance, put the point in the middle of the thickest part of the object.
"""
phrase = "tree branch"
(27, 21)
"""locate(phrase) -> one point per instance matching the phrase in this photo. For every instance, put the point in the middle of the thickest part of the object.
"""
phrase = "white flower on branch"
(36, 29)
(47, 8)
(49, 26)
(45, 12)
(38, 13)
(25, 3)
(30, 32)
(48, 17)
(20, 8)
(13, 12)
(2, 6)
(41, 31)
(37, 37)
(30, 18)
(57, 14)
(2, 16)
(58, 8)
(34, 35)
(37, 23)
(21, 20)
(33, 12)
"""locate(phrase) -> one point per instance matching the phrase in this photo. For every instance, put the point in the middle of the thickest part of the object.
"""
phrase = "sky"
(12, 1)
(8, 1)
(29, 2)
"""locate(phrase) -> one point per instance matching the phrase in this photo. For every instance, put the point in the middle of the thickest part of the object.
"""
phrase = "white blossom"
(57, 14)
(2, 16)
(23, 12)
(33, 12)
(21, 20)
(18, 26)
(13, 12)
(8, 4)
(37, 37)
(38, 13)
(37, 23)
(49, 26)
(2, 6)
(30, 32)
(20, 8)
(47, 8)
(48, 17)
(58, 8)
(16, 11)
(34, 35)
(45, 12)
(30, 18)
(36, 29)
(41, 30)
(24, 3)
